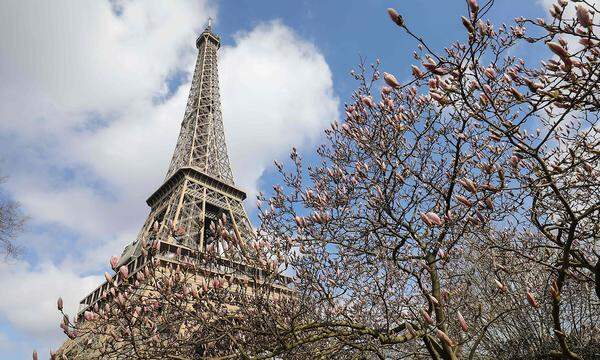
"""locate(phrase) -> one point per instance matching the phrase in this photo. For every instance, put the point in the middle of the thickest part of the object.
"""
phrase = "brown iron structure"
(198, 190)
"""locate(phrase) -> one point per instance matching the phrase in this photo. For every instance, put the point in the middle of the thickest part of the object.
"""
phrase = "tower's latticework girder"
(201, 142)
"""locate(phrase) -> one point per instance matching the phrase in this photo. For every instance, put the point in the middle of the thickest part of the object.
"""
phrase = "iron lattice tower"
(199, 188)
(198, 191)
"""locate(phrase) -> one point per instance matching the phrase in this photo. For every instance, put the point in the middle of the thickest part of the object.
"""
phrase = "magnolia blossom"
(124, 272)
(473, 6)
(584, 16)
(368, 101)
(532, 301)
(444, 337)
(428, 319)
(417, 72)
(462, 322)
(114, 261)
(391, 80)
(395, 17)
(464, 200)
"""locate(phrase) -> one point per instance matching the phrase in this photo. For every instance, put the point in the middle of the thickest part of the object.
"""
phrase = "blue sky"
(93, 98)
(345, 30)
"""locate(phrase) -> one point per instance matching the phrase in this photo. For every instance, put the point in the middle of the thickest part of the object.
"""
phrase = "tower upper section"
(201, 143)
(208, 35)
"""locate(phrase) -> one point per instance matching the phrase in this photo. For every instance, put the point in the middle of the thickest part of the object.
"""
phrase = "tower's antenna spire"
(209, 26)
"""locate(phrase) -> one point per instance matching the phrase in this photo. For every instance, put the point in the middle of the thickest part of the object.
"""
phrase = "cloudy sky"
(93, 93)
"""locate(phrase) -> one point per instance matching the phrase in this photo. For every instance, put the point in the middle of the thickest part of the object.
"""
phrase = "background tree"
(452, 216)
(11, 223)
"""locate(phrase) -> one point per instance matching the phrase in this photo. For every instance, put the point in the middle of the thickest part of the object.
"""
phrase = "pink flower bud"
(156, 244)
(425, 219)
(433, 83)
(449, 215)
(489, 203)
(391, 80)
(108, 278)
(467, 24)
(500, 285)
(586, 42)
(473, 6)
(558, 49)
(462, 322)
(35, 355)
(124, 272)
(396, 18)
(59, 303)
(114, 261)
(445, 338)
(427, 317)
(490, 72)
(583, 16)
(299, 220)
(464, 200)
(434, 300)
(469, 185)
(532, 301)
(439, 98)
(417, 72)
(368, 101)
(88, 315)
(434, 218)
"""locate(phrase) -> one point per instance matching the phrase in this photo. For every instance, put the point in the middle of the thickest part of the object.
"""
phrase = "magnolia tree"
(453, 215)
(183, 304)
(456, 215)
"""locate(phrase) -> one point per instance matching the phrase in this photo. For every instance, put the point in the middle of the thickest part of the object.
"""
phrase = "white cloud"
(85, 142)
(570, 13)
(277, 92)
(85, 58)
(570, 9)
(29, 297)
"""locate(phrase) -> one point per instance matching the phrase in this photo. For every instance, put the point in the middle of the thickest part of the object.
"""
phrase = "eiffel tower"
(198, 191)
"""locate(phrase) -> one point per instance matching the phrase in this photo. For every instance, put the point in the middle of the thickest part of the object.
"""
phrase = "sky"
(92, 97)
